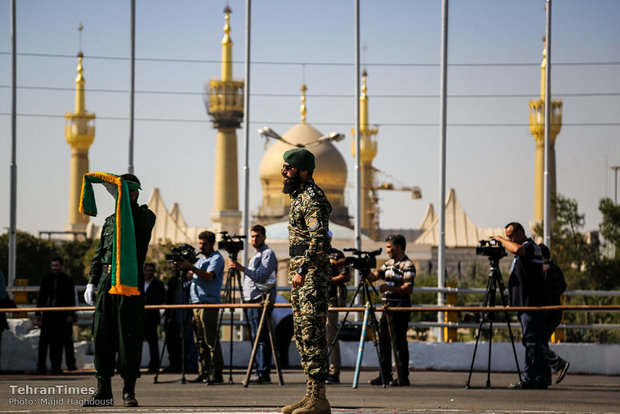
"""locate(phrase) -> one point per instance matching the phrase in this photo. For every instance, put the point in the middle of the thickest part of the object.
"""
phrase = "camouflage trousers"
(309, 305)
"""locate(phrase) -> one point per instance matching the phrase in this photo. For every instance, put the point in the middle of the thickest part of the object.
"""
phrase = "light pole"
(615, 169)
(267, 133)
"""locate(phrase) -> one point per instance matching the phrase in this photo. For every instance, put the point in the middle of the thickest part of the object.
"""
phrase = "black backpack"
(554, 283)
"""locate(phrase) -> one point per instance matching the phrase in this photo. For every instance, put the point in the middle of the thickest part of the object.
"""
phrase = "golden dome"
(330, 173)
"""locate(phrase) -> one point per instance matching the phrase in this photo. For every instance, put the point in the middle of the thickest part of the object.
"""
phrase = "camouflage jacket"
(308, 222)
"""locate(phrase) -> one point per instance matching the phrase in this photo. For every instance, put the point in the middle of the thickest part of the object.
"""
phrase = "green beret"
(300, 158)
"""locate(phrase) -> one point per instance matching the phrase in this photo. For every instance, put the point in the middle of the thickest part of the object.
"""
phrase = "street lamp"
(332, 136)
(615, 169)
(267, 133)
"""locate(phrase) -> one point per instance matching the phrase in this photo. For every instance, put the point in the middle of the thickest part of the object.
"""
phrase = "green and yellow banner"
(124, 259)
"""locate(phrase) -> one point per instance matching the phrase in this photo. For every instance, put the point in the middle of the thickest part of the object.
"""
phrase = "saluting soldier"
(310, 275)
(119, 319)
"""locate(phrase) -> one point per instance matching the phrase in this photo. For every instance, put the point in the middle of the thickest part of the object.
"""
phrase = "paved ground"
(430, 392)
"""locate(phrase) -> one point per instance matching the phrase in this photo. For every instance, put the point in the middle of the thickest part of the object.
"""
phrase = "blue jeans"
(533, 326)
(263, 353)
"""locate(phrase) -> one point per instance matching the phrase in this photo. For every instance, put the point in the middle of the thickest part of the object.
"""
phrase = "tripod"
(265, 316)
(182, 283)
(229, 288)
(495, 281)
(369, 314)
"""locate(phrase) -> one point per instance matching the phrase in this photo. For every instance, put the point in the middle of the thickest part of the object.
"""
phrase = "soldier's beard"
(291, 184)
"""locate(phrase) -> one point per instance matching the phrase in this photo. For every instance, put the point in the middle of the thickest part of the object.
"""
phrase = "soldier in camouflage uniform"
(310, 275)
(118, 319)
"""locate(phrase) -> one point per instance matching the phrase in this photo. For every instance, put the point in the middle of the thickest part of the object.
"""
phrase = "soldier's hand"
(298, 281)
(89, 294)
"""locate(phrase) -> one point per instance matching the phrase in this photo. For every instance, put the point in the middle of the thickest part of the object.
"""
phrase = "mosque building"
(225, 106)
(330, 172)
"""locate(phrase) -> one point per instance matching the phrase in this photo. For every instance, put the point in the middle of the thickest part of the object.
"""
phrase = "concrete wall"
(20, 343)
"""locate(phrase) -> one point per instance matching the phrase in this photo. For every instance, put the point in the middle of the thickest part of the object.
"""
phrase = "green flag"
(124, 259)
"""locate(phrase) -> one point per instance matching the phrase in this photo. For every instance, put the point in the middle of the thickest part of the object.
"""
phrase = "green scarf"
(124, 258)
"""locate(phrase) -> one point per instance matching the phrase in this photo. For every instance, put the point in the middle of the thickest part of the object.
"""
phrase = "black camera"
(182, 251)
(231, 243)
(491, 248)
(360, 260)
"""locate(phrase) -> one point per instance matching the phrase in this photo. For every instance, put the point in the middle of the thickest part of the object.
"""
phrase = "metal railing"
(86, 315)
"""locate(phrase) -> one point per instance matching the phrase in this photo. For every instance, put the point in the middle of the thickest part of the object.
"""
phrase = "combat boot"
(129, 393)
(102, 396)
(290, 408)
(317, 402)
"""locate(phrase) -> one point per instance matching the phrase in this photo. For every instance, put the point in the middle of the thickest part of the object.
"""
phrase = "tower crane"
(386, 183)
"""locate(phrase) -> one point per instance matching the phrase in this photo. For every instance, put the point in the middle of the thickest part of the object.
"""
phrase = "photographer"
(525, 287)
(259, 279)
(207, 276)
(399, 274)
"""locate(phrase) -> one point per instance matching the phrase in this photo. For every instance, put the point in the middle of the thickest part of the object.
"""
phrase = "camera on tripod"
(183, 251)
(231, 243)
(491, 248)
(361, 260)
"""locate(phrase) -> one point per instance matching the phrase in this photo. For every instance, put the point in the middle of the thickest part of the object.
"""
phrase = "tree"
(570, 248)
(610, 226)
(34, 255)
(583, 268)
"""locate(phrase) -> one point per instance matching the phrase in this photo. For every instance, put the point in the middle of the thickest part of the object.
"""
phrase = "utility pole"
(615, 169)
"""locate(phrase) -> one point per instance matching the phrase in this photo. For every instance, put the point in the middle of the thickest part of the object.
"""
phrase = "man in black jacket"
(57, 290)
(154, 294)
(525, 287)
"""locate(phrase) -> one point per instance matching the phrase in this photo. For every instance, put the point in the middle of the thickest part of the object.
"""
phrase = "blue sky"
(495, 49)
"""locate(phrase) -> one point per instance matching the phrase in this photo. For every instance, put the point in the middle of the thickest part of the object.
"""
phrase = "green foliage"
(77, 256)
(585, 268)
(610, 225)
(34, 255)
(569, 245)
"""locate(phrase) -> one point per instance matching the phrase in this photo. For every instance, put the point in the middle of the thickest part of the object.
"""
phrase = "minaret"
(302, 109)
(368, 149)
(225, 105)
(537, 128)
(80, 134)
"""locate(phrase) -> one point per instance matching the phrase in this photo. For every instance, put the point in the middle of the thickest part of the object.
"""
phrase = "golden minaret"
(80, 134)
(537, 128)
(368, 151)
(302, 109)
(225, 105)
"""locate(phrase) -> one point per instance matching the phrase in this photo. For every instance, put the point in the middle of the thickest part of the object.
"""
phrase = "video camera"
(229, 243)
(182, 251)
(360, 260)
(491, 248)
